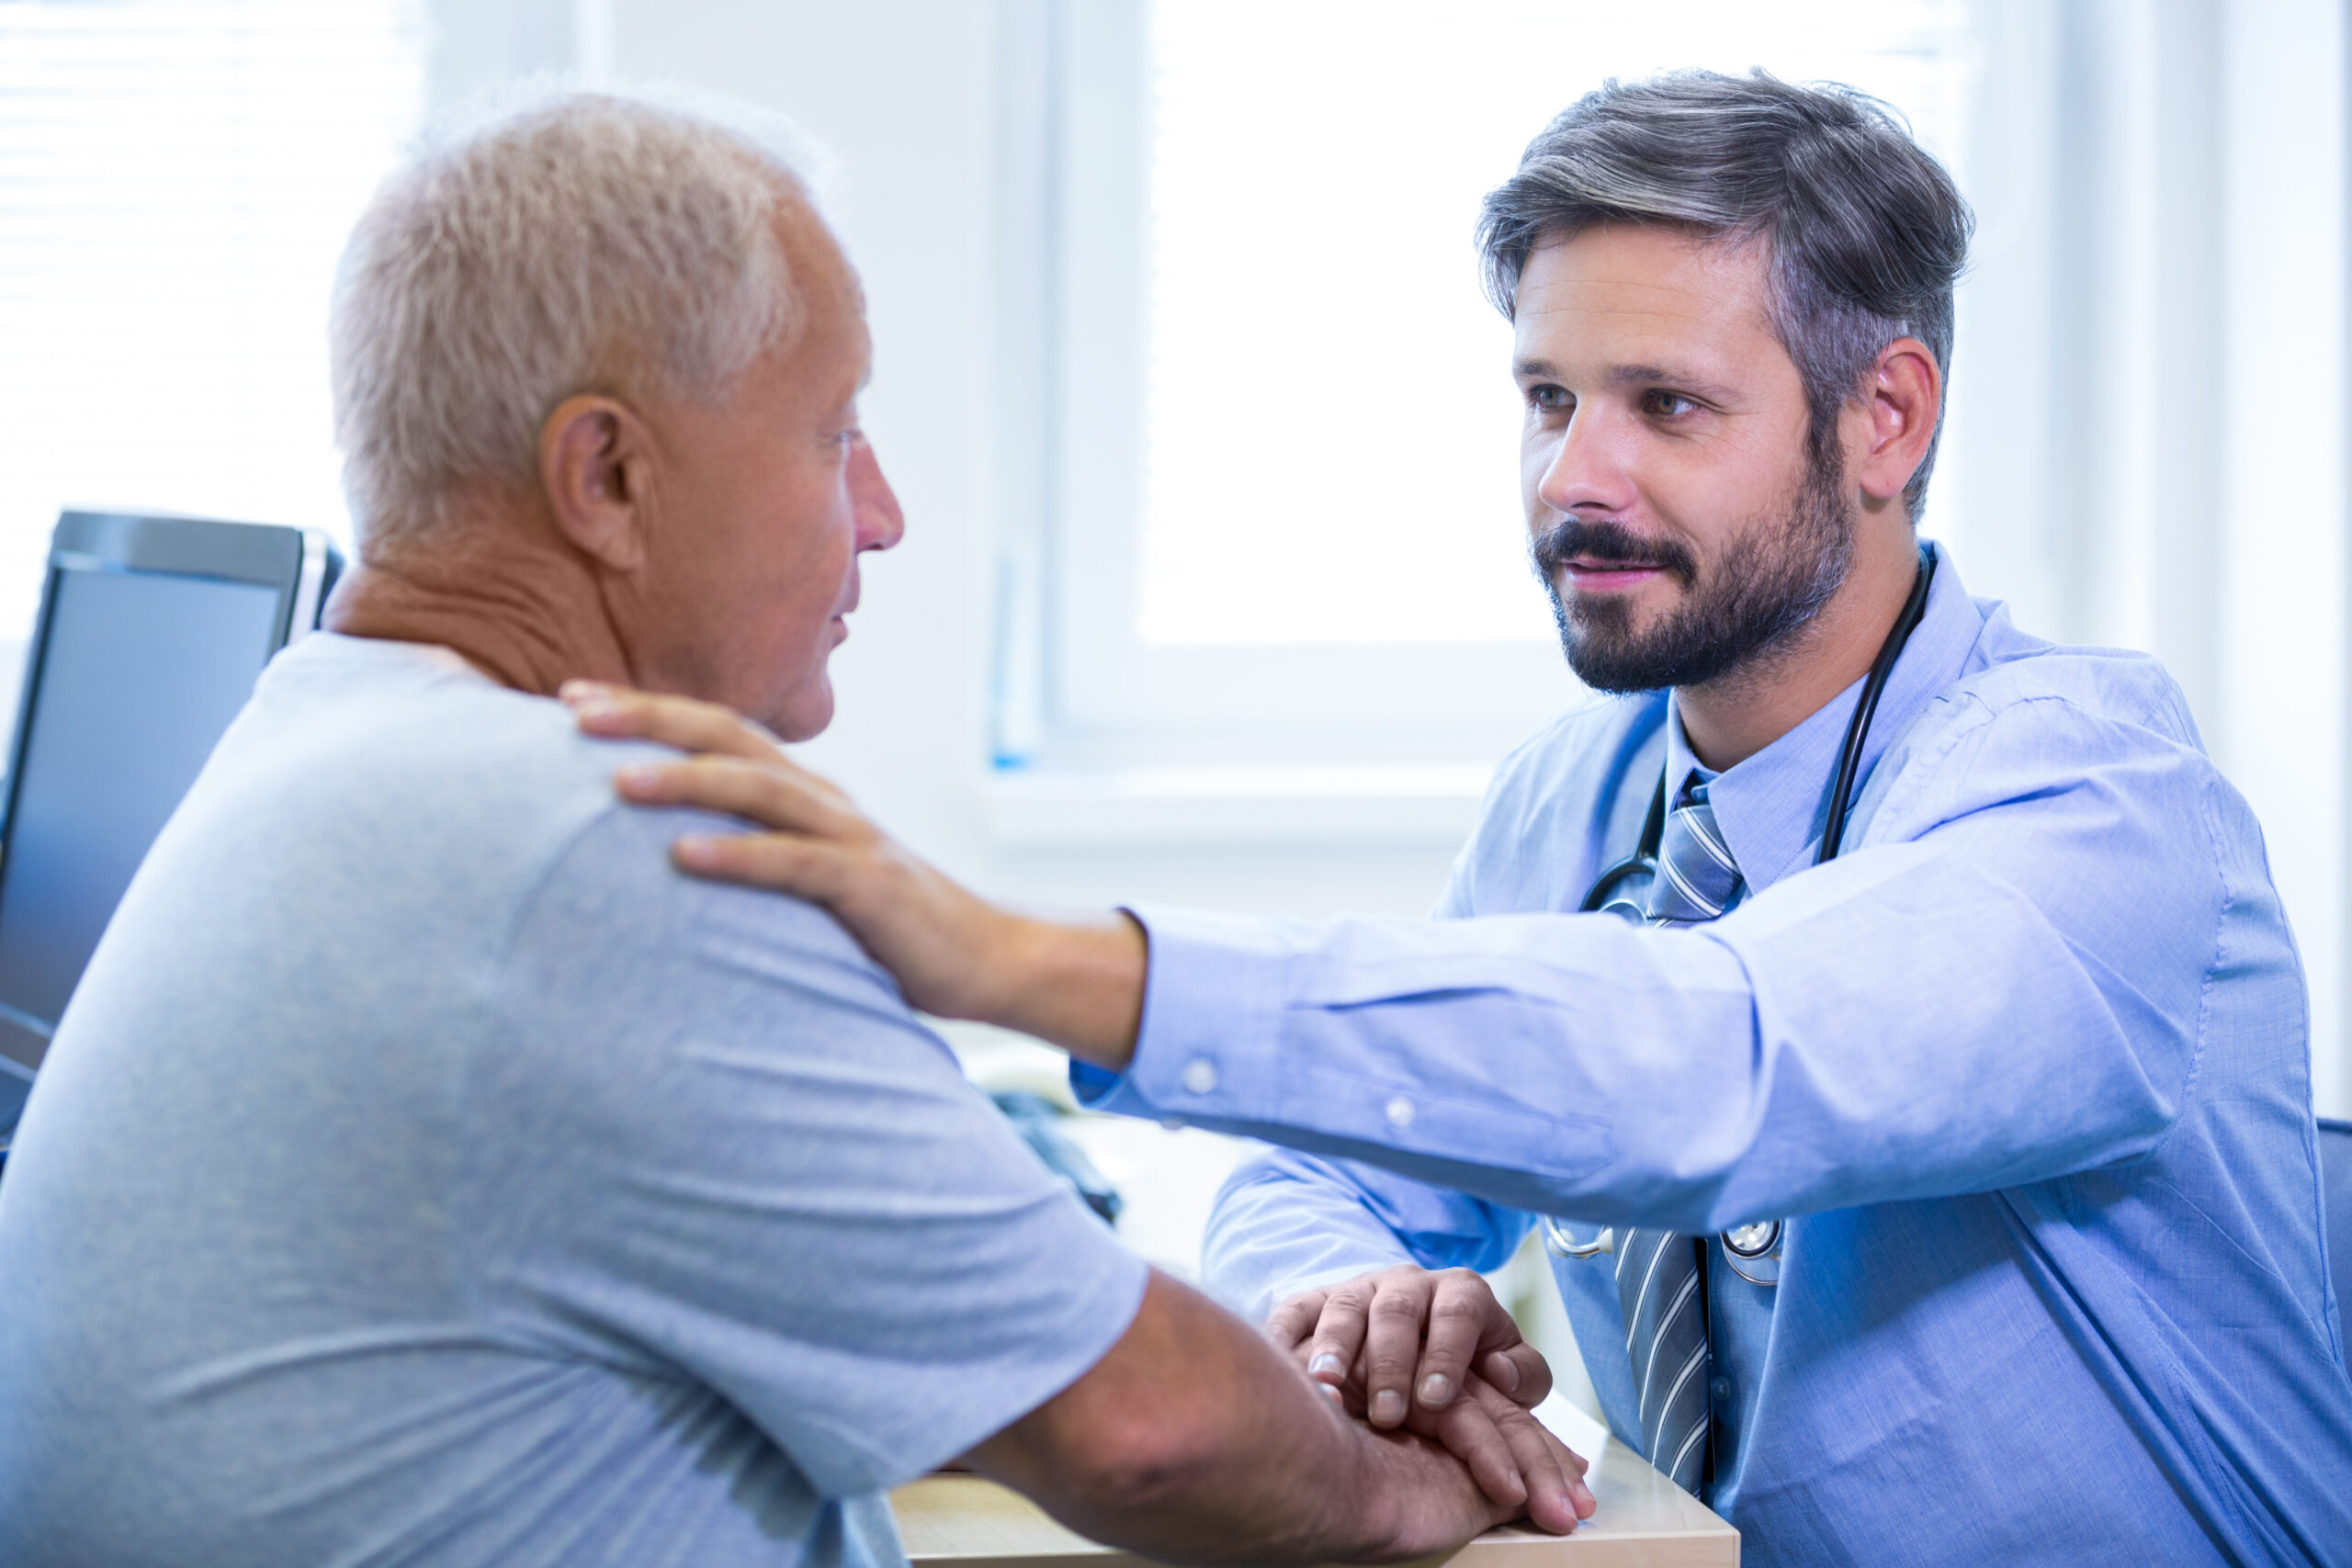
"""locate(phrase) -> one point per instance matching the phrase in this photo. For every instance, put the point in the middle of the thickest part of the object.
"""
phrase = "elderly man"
(1931, 1152)
(423, 1173)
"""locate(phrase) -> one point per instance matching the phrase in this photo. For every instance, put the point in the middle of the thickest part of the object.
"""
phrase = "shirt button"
(1721, 1389)
(1399, 1113)
(1200, 1075)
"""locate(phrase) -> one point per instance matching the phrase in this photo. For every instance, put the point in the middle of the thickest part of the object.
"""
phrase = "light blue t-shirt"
(426, 1173)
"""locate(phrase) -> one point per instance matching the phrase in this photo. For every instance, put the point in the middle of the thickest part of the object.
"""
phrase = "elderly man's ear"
(595, 464)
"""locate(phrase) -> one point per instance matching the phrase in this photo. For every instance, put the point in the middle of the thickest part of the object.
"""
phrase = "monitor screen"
(139, 674)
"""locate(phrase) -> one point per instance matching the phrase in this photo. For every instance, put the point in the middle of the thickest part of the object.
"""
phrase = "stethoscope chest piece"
(1560, 1244)
(1754, 1251)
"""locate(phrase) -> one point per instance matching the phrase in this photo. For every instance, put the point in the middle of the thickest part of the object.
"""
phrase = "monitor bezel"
(296, 562)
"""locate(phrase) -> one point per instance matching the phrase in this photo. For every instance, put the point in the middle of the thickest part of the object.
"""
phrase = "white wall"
(2150, 379)
(2279, 411)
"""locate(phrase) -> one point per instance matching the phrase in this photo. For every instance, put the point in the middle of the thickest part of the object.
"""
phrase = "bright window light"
(176, 181)
(1332, 432)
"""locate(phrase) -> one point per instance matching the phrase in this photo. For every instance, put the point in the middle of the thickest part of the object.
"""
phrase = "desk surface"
(1642, 1520)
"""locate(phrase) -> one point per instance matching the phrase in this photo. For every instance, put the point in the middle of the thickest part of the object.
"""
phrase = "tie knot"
(1697, 878)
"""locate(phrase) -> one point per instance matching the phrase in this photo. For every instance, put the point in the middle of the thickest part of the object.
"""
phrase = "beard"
(1764, 587)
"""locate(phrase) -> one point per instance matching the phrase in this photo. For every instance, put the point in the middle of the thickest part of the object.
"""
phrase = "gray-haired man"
(1931, 1155)
(423, 1173)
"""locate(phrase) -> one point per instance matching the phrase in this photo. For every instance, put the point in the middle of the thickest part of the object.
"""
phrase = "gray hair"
(1865, 231)
(556, 242)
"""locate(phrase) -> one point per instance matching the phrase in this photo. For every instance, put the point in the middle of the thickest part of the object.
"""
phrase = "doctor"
(1922, 1111)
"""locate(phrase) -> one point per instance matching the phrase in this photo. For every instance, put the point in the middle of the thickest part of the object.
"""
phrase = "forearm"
(1782, 1061)
(1285, 1222)
(1078, 984)
(1195, 1441)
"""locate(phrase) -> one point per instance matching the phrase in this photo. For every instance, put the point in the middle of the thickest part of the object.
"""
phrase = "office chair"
(2336, 1184)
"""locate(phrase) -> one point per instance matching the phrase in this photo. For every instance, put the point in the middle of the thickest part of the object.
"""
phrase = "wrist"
(1076, 985)
(1397, 1514)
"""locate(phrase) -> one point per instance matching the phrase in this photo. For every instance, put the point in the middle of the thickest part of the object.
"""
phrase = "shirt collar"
(1771, 807)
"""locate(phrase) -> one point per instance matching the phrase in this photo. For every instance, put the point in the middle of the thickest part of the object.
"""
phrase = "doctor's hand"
(1409, 1338)
(1436, 1353)
(956, 956)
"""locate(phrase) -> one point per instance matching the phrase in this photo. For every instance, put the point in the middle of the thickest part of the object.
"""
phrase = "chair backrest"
(2335, 1182)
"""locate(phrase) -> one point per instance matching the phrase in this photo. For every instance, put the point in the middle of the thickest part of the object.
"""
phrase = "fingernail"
(1326, 1365)
(1387, 1407)
(643, 777)
(1331, 1394)
(1503, 1373)
(579, 690)
(1436, 1389)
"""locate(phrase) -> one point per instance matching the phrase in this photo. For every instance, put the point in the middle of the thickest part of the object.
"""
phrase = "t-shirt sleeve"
(717, 1146)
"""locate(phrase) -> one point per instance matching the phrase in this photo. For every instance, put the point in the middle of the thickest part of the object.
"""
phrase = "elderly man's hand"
(1515, 1460)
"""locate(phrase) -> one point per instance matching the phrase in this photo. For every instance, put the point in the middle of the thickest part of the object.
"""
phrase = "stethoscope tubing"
(1753, 1251)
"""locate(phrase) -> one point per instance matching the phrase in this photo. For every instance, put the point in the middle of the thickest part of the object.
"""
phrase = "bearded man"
(1929, 1159)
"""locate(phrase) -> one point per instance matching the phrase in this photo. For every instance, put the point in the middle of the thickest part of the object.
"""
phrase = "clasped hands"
(1438, 1355)
(1433, 1354)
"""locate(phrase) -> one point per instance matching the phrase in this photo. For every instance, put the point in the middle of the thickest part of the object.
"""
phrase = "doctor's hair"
(1866, 233)
(552, 242)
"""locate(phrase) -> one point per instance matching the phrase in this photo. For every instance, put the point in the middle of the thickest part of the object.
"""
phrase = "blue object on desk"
(151, 633)
(1036, 1119)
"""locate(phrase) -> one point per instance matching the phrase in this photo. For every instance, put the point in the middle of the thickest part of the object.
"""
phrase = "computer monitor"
(152, 631)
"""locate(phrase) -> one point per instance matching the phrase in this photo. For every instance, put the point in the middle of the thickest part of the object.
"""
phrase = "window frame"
(1075, 683)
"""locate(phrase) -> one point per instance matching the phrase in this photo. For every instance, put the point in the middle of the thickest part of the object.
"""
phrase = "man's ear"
(595, 464)
(1903, 397)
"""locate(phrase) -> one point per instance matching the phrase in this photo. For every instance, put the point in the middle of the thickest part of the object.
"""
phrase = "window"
(176, 180)
(1283, 521)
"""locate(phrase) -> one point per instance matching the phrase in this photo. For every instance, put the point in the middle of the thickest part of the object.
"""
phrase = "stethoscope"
(1754, 1251)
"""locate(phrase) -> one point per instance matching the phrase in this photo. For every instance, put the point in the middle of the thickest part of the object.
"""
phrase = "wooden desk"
(1642, 1520)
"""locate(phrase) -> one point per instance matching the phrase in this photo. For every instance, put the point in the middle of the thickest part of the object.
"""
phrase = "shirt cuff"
(1208, 1043)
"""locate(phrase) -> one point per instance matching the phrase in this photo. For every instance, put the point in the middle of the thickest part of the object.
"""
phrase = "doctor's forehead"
(1642, 296)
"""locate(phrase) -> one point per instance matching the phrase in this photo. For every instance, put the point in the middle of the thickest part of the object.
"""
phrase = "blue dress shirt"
(2025, 1068)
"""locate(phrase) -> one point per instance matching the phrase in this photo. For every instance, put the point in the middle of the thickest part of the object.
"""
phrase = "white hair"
(553, 242)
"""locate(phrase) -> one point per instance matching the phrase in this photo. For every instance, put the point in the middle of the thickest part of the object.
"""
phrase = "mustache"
(1578, 538)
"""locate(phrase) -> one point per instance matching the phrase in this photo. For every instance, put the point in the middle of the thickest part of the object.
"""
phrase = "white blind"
(1332, 435)
(176, 180)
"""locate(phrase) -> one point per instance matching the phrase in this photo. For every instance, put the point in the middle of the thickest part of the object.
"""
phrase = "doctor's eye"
(1666, 404)
(1550, 398)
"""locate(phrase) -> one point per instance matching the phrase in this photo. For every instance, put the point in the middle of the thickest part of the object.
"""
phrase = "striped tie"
(1658, 1272)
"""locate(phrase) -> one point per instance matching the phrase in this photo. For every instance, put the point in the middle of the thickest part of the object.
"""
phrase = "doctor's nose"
(1582, 471)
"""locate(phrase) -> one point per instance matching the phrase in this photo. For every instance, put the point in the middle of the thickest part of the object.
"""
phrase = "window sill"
(1243, 806)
